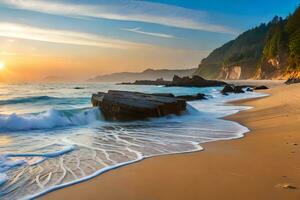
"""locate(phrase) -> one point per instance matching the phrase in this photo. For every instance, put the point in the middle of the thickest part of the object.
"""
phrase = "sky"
(77, 40)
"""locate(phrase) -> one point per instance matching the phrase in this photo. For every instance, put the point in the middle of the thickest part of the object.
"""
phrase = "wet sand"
(263, 165)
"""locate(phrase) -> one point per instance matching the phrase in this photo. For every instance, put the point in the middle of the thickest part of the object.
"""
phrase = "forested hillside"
(269, 51)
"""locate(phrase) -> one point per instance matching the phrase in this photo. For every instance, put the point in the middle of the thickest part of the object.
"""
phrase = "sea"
(51, 136)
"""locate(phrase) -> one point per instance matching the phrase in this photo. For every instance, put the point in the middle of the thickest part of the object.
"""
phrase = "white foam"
(49, 119)
(47, 155)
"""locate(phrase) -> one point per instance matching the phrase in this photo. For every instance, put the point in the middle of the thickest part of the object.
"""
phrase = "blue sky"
(194, 28)
(200, 25)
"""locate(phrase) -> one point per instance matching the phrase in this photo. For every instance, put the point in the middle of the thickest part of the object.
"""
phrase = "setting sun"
(2, 65)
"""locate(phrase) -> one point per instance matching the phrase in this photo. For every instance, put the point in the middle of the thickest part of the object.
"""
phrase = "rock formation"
(124, 105)
(232, 89)
(195, 81)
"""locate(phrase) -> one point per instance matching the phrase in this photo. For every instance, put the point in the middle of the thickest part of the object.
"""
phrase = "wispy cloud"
(125, 10)
(21, 31)
(155, 34)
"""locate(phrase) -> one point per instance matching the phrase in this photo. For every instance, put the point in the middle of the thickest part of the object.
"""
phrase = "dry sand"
(264, 165)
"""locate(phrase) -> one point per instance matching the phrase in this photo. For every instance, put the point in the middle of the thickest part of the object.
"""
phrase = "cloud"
(138, 30)
(125, 10)
(21, 31)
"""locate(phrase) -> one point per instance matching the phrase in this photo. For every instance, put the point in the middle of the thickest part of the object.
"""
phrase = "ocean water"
(51, 137)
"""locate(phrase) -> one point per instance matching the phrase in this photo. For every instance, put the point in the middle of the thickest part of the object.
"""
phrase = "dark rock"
(288, 186)
(164, 94)
(232, 89)
(78, 88)
(249, 89)
(227, 89)
(238, 89)
(124, 105)
(195, 81)
(198, 96)
(292, 81)
(261, 87)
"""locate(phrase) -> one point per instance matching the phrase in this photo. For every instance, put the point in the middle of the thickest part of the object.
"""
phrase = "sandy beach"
(263, 165)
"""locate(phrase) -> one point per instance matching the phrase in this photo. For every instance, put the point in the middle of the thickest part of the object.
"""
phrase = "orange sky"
(77, 39)
(33, 61)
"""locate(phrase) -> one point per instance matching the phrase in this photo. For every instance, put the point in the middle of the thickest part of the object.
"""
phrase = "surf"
(51, 118)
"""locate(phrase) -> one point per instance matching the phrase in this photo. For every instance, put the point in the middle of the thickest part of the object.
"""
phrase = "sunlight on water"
(5, 140)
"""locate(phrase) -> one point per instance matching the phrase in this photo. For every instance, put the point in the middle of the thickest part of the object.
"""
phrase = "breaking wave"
(49, 119)
(41, 99)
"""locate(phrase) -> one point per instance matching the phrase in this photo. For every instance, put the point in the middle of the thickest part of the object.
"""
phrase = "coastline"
(245, 168)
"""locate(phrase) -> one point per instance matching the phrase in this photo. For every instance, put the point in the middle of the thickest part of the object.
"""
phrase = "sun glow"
(2, 65)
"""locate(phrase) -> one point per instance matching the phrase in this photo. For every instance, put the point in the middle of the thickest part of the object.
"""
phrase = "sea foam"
(50, 119)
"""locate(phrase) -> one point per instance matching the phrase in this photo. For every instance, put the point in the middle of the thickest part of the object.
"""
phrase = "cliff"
(269, 51)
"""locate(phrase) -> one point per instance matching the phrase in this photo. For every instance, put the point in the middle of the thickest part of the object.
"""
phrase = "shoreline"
(136, 173)
(198, 148)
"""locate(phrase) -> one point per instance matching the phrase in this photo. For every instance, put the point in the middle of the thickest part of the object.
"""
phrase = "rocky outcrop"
(292, 81)
(195, 81)
(241, 89)
(195, 97)
(293, 78)
(124, 105)
(232, 89)
(262, 87)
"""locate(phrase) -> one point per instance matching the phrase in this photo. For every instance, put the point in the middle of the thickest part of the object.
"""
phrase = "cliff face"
(269, 51)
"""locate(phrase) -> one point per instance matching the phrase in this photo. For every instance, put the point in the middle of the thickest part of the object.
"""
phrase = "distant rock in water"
(159, 81)
(195, 81)
(261, 87)
(232, 89)
(124, 105)
(240, 88)
(78, 88)
(195, 97)
(249, 89)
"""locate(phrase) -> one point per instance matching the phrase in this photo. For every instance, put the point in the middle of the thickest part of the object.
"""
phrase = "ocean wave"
(38, 99)
(49, 119)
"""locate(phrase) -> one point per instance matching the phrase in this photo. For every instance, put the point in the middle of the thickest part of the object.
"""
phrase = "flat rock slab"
(124, 105)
